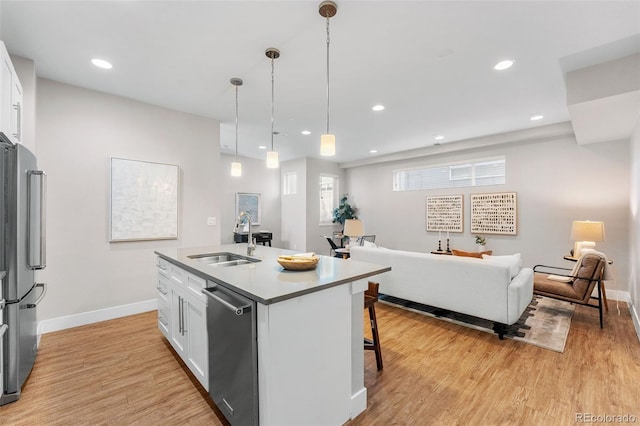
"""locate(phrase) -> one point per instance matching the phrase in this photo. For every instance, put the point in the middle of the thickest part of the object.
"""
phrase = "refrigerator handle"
(43, 286)
(42, 231)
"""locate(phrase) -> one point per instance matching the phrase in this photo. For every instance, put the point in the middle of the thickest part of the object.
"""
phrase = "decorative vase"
(482, 247)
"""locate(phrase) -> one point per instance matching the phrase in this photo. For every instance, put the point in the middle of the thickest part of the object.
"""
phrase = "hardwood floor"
(123, 372)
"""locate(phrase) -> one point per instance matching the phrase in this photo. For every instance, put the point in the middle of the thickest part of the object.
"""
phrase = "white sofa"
(495, 289)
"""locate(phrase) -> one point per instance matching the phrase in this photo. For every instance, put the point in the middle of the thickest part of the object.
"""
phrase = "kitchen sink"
(223, 259)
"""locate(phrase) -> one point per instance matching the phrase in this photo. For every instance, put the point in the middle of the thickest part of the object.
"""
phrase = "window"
(290, 184)
(479, 172)
(328, 197)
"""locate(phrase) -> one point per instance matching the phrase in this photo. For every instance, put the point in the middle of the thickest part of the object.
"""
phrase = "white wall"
(315, 231)
(294, 206)
(78, 131)
(256, 178)
(557, 181)
(634, 228)
(301, 227)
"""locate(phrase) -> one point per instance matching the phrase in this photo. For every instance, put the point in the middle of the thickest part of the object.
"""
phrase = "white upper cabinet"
(10, 99)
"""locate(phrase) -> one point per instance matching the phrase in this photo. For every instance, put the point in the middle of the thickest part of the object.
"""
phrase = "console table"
(263, 237)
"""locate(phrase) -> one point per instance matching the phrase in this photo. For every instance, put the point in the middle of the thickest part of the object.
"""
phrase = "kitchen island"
(307, 328)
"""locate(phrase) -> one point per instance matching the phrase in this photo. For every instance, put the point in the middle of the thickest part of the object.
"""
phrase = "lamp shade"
(327, 145)
(272, 160)
(236, 169)
(353, 228)
(585, 230)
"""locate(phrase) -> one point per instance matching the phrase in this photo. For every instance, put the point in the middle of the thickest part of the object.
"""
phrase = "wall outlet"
(211, 221)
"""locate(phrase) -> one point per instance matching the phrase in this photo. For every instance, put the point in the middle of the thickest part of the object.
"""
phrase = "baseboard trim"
(635, 316)
(84, 318)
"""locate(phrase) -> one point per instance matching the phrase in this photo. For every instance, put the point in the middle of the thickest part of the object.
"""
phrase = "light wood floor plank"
(123, 372)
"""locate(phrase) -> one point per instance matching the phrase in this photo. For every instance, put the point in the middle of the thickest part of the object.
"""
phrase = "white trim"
(614, 295)
(358, 402)
(84, 318)
(635, 316)
(558, 131)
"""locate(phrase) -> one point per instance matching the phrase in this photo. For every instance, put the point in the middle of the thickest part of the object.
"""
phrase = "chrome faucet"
(250, 246)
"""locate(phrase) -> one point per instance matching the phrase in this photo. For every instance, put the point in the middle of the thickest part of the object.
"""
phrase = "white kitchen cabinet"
(10, 99)
(178, 321)
(164, 303)
(197, 341)
(185, 307)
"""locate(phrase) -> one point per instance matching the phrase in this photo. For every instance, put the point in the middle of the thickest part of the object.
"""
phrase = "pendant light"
(272, 156)
(328, 140)
(236, 167)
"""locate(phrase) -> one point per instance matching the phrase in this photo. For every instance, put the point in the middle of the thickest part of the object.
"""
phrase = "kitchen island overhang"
(310, 356)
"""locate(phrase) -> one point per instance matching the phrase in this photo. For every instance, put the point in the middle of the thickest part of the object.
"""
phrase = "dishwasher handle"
(239, 310)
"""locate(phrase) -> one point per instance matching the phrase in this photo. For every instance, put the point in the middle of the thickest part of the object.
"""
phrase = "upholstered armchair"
(575, 285)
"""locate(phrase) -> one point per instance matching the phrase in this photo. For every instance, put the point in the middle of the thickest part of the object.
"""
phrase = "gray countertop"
(266, 281)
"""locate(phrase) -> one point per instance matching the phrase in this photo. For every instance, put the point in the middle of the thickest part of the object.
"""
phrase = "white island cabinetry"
(182, 317)
(306, 332)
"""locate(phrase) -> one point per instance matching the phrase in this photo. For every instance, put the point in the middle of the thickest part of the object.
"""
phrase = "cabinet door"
(163, 287)
(178, 321)
(5, 95)
(197, 341)
(16, 109)
(164, 318)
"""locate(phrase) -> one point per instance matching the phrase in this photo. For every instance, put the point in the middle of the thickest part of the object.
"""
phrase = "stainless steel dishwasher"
(233, 354)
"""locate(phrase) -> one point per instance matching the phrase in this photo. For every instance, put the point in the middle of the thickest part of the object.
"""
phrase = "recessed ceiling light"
(101, 63)
(377, 107)
(536, 117)
(262, 147)
(438, 137)
(503, 65)
(305, 132)
(373, 151)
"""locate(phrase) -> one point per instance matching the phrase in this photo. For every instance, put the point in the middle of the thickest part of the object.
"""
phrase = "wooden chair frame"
(600, 274)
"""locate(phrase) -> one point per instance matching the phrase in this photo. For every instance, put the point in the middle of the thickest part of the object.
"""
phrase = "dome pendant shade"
(272, 160)
(327, 145)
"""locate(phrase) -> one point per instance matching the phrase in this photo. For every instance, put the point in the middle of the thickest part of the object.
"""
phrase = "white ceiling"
(430, 63)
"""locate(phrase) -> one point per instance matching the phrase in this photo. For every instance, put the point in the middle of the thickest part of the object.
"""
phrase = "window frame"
(399, 186)
(322, 221)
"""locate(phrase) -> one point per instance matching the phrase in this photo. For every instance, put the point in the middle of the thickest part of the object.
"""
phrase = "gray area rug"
(544, 323)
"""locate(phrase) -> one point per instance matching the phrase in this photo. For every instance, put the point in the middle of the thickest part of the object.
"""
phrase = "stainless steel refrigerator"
(22, 252)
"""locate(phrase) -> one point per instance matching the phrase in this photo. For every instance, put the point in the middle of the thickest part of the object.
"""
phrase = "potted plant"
(481, 241)
(344, 211)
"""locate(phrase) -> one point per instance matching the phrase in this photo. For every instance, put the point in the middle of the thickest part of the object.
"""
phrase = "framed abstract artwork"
(249, 203)
(143, 200)
(445, 213)
(495, 213)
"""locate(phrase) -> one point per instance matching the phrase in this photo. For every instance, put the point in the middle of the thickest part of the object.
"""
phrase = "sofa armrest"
(520, 294)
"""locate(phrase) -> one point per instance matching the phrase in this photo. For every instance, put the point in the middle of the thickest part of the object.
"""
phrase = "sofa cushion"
(513, 262)
(477, 254)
